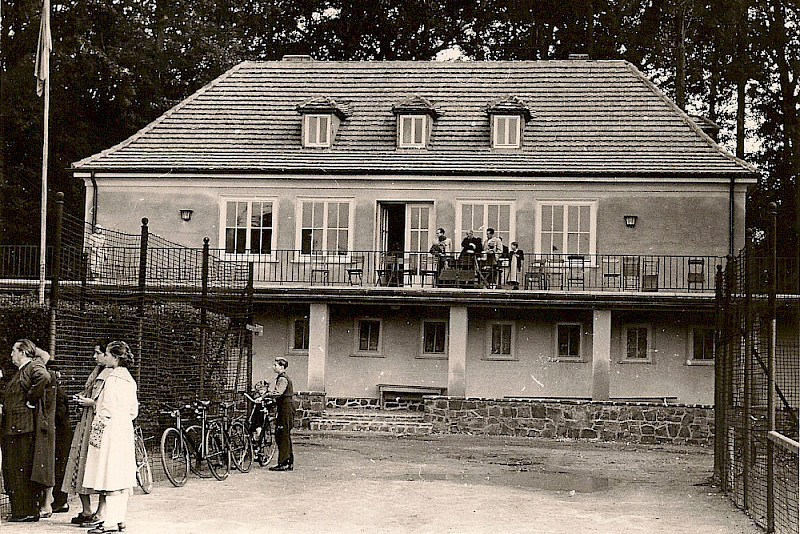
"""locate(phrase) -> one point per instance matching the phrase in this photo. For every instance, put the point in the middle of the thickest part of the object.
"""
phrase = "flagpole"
(42, 74)
(45, 149)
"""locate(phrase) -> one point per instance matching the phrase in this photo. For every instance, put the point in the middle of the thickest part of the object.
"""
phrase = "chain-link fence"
(184, 312)
(758, 386)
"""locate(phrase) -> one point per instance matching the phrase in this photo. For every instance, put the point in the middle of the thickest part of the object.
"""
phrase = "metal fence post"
(773, 312)
(204, 317)
(727, 393)
(748, 369)
(142, 288)
(56, 271)
(719, 408)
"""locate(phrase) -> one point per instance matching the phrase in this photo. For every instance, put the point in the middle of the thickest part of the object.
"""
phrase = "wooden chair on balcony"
(650, 274)
(696, 277)
(428, 266)
(630, 272)
(355, 271)
(320, 269)
(535, 276)
(391, 271)
(576, 271)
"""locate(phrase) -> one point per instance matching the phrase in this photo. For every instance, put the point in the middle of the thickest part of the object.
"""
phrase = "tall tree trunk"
(680, 55)
(590, 29)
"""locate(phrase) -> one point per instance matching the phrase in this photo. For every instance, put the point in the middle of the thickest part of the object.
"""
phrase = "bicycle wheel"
(218, 455)
(269, 447)
(174, 457)
(144, 474)
(194, 437)
(241, 447)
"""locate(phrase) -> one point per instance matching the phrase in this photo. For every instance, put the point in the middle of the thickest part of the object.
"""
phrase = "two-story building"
(332, 178)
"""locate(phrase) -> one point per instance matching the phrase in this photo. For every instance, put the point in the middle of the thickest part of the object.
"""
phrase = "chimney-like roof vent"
(579, 57)
(297, 57)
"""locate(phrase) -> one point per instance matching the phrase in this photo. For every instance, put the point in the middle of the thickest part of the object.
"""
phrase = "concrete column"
(457, 354)
(318, 325)
(601, 354)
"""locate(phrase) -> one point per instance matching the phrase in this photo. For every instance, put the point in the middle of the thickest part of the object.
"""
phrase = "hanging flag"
(42, 71)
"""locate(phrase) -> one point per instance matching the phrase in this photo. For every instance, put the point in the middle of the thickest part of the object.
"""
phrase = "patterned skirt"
(76, 462)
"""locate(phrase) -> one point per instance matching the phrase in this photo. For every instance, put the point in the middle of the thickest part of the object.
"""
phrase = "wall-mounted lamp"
(630, 220)
(186, 215)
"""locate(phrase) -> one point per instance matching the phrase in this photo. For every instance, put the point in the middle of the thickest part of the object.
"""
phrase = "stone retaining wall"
(307, 405)
(628, 422)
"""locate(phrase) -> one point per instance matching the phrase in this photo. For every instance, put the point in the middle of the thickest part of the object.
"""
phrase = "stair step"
(374, 415)
(361, 425)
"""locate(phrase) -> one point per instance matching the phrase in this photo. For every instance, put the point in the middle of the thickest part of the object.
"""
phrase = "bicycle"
(237, 439)
(186, 449)
(144, 473)
(264, 445)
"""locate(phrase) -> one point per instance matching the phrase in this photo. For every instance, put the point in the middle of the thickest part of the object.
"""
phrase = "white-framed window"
(316, 130)
(506, 131)
(568, 341)
(637, 343)
(478, 216)
(324, 226)
(369, 334)
(500, 340)
(412, 131)
(298, 335)
(247, 226)
(702, 347)
(568, 227)
(434, 339)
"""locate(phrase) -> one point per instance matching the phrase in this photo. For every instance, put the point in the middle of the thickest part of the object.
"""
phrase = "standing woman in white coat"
(110, 460)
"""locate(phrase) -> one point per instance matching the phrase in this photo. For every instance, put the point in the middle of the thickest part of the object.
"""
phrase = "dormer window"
(413, 129)
(415, 116)
(507, 120)
(506, 131)
(317, 131)
(321, 119)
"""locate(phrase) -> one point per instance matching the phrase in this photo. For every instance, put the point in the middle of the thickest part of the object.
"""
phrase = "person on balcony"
(516, 259)
(494, 250)
(471, 246)
(445, 242)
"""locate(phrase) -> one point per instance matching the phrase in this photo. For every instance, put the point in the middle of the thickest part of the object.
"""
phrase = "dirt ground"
(465, 484)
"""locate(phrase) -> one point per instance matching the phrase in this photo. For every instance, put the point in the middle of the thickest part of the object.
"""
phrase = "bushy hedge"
(21, 317)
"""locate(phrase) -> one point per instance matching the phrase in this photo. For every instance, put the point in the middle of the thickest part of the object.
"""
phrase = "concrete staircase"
(387, 422)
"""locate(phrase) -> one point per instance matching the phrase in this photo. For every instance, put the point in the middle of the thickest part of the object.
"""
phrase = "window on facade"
(369, 331)
(703, 344)
(480, 216)
(637, 343)
(300, 334)
(568, 340)
(317, 130)
(434, 337)
(248, 227)
(567, 228)
(325, 226)
(501, 340)
(412, 131)
(506, 131)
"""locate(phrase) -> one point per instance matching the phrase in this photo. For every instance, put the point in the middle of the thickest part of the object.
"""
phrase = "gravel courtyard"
(465, 484)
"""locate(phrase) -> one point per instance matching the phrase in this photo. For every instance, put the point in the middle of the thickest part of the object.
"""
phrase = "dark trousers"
(283, 435)
(17, 466)
(63, 441)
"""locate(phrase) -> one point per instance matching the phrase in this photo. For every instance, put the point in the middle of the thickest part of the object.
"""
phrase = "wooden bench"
(407, 392)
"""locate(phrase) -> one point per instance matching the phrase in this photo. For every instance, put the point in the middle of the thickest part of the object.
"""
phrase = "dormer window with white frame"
(415, 117)
(317, 131)
(506, 131)
(507, 122)
(413, 131)
(322, 117)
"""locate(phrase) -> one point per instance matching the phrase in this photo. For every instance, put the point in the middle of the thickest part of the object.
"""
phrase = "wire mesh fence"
(758, 386)
(184, 313)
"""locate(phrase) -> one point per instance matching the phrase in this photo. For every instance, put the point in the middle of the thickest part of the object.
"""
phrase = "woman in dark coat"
(21, 396)
(283, 393)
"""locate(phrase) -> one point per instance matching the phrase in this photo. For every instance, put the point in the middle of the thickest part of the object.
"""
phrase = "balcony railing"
(552, 272)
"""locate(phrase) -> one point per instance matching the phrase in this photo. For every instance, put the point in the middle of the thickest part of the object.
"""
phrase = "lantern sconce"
(186, 215)
(630, 220)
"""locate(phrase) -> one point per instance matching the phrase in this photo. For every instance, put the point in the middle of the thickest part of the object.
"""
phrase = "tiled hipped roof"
(588, 117)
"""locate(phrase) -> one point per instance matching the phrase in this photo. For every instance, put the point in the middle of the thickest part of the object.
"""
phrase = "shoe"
(100, 529)
(121, 527)
(80, 519)
(282, 467)
(92, 521)
(23, 519)
(45, 515)
(61, 509)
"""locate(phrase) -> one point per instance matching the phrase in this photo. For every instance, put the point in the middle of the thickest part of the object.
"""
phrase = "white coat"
(112, 466)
